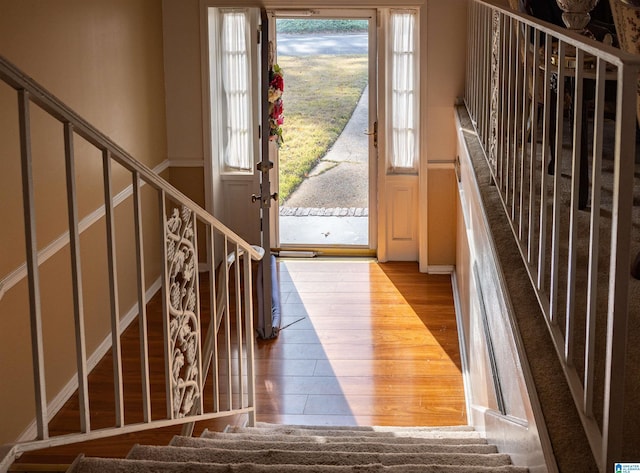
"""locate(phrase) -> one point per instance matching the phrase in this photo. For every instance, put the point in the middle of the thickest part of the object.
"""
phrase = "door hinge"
(259, 132)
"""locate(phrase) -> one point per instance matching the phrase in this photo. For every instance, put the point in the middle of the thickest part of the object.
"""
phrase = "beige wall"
(189, 181)
(186, 141)
(446, 41)
(442, 210)
(445, 68)
(103, 58)
(443, 36)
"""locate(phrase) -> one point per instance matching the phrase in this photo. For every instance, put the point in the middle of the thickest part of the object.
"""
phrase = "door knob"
(374, 133)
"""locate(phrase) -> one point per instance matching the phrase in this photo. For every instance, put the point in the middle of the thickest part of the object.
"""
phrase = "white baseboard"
(440, 269)
(186, 163)
(70, 388)
(442, 165)
(462, 344)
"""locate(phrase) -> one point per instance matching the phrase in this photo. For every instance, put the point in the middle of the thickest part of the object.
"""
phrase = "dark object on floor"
(635, 267)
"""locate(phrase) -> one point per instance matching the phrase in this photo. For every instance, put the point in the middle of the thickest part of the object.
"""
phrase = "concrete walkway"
(329, 206)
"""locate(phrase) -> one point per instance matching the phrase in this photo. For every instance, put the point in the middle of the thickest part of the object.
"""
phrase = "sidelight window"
(403, 95)
(231, 89)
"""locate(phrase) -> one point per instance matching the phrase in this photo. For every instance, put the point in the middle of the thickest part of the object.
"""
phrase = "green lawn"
(320, 95)
(303, 26)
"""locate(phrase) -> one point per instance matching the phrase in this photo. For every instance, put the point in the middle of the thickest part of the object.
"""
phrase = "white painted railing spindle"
(142, 303)
(249, 331)
(76, 279)
(618, 310)
(113, 290)
(227, 328)
(574, 208)
(212, 340)
(594, 241)
(238, 321)
(31, 240)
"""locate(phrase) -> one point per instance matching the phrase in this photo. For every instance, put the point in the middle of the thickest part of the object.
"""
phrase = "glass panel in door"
(328, 149)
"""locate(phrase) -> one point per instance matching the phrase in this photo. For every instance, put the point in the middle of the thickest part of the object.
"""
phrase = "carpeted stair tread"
(280, 457)
(361, 428)
(351, 438)
(290, 430)
(179, 441)
(308, 449)
(102, 465)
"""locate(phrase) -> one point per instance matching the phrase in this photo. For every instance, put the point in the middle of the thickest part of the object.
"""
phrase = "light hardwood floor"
(363, 344)
(377, 345)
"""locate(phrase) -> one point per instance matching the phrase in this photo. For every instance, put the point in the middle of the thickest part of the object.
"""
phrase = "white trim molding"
(186, 163)
(443, 165)
(62, 241)
(462, 345)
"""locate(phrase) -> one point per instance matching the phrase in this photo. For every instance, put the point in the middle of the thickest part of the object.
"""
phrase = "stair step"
(103, 465)
(179, 441)
(259, 437)
(292, 430)
(283, 457)
(320, 449)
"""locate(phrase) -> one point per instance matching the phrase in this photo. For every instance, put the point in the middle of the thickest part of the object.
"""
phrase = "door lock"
(264, 167)
(256, 197)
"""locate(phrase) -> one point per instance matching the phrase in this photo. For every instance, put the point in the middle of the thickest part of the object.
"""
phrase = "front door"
(238, 181)
(326, 158)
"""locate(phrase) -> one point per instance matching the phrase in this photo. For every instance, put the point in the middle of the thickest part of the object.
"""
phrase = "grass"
(301, 26)
(321, 93)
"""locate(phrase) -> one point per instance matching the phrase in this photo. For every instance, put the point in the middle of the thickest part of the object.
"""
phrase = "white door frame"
(353, 14)
(385, 213)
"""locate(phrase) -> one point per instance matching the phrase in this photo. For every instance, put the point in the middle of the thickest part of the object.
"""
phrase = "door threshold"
(296, 254)
(319, 252)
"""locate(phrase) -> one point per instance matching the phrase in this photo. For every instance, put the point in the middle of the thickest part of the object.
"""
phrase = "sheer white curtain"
(236, 83)
(404, 94)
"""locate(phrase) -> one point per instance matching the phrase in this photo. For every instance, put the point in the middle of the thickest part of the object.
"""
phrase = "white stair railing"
(526, 80)
(206, 375)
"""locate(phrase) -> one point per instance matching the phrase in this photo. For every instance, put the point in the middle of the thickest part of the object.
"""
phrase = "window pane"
(404, 118)
(237, 134)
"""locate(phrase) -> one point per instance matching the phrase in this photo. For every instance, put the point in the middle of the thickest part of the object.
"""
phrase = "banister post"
(618, 310)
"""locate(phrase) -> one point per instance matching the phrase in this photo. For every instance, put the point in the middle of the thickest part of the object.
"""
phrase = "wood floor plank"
(364, 420)
(419, 369)
(377, 345)
(443, 387)
(374, 338)
(319, 404)
(316, 351)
